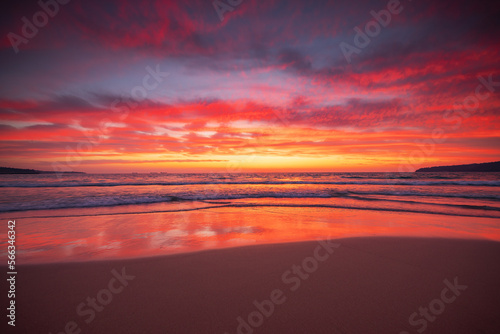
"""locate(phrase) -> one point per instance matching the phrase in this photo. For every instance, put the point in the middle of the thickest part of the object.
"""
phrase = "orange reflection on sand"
(138, 235)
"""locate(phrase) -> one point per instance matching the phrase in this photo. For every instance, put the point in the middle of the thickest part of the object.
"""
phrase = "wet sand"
(72, 235)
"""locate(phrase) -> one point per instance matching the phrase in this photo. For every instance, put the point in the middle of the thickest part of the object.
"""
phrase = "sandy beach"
(340, 264)
(250, 167)
(352, 285)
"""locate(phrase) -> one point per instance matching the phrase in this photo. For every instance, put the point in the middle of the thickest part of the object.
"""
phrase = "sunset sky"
(125, 86)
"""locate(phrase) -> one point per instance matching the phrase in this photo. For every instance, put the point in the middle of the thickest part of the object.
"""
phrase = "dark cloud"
(269, 65)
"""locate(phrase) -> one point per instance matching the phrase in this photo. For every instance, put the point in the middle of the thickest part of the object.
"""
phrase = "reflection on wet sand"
(148, 234)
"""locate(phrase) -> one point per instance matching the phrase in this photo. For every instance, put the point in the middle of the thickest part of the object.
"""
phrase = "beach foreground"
(354, 285)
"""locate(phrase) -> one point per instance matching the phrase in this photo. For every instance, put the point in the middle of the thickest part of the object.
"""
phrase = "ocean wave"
(390, 182)
(281, 205)
(119, 200)
(349, 193)
(401, 177)
(86, 202)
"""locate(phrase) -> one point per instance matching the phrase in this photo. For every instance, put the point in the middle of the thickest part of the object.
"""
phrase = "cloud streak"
(268, 82)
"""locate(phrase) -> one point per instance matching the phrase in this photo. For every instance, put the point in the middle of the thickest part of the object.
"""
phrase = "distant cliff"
(478, 168)
(9, 170)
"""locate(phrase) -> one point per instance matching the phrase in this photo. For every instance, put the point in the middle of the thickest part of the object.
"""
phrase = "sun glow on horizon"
(211, 96)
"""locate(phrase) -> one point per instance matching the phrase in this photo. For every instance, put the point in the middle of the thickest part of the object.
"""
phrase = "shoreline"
(82, 238)
(6, 214)
(364, 285)
(118, 236)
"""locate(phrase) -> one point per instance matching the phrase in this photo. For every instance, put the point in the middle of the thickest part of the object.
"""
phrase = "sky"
(241, 85)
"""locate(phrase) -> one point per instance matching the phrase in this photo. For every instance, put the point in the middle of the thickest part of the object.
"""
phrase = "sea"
(211, 210)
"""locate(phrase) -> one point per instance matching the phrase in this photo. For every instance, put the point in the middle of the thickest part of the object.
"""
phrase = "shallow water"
(91, 217)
